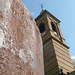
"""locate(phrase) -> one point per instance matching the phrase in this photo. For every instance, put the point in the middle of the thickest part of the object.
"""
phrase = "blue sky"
(64, 10)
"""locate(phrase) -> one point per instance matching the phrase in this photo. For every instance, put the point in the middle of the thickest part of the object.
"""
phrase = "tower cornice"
(47, 13)
(51, 37)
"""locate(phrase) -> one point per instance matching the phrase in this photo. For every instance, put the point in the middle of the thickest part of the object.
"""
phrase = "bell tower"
(55, 50)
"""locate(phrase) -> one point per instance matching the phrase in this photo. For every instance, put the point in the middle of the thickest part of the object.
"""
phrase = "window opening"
(54, 28)
(42, 29)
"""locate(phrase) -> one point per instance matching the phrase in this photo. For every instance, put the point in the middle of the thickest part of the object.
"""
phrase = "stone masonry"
(21, 51)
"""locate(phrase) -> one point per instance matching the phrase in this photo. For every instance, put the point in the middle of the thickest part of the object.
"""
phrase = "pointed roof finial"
(41, 6)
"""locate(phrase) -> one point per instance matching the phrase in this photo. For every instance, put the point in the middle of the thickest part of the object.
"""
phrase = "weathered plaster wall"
(20, 41)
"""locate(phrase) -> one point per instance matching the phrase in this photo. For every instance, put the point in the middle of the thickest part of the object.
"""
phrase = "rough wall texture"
(20, 42)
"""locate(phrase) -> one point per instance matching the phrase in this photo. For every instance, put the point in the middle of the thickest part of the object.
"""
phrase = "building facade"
(55, 50)
(73, 60)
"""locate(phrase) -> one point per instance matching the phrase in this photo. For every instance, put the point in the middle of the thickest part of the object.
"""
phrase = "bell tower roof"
(45, 12)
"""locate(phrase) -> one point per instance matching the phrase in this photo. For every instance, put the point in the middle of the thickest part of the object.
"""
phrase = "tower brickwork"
(56, 53)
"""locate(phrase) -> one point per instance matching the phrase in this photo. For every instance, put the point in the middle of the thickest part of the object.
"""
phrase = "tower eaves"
(46, 12)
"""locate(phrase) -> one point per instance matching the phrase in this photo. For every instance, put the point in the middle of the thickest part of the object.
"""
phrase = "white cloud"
(73, 57)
